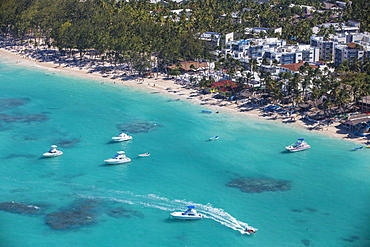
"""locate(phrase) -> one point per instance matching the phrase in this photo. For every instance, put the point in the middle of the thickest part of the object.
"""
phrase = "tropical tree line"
(136, 31)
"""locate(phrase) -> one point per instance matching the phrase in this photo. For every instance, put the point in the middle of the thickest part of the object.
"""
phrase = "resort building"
(294, 67)
(353, 27)
(224, 88)
(273, 49)
(326, 47)
(350, 52)
(250, 30)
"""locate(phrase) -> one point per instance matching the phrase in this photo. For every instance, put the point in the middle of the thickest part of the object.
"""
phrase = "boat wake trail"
(165, 204)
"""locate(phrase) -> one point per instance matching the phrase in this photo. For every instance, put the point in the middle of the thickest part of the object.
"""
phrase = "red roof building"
(296, 66)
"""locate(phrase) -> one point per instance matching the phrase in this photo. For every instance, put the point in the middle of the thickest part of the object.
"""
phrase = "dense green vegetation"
(134, 31)
(137, 28)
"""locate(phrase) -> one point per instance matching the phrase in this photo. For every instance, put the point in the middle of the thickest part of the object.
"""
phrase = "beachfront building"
(326, 47)
(350, 27)
(257, 30)
(294, 67)
(293, 54)
(215, 40)
(272, 50)
(359, 124)
(244, 50)
(224, 88)
(350, 52)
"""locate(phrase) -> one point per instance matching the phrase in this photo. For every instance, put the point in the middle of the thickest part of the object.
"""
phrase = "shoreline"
(168, 86)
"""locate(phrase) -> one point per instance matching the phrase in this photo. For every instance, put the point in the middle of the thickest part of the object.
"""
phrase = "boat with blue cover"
(121, 137)
(53, 152)
(213, 138)
(298, 146)
(189, 214)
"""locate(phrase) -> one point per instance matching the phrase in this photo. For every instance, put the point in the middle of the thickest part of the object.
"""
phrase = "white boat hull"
(296, 149)
(116, 162)
(180, 216)
(49, 155)
(120, 139)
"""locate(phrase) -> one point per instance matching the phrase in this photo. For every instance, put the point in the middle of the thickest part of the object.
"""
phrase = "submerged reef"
(135, 127)
(123, 213)
(19, 208)
(80, 213)
(84, 212)
(258, 185)
(306, 242)
(10, 103)
(63, 220)
(23, 118)
(67, 143)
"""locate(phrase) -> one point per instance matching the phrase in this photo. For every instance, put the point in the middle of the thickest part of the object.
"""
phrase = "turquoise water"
(128, 205)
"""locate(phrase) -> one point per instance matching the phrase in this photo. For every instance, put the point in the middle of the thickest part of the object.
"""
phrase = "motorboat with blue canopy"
(189, 214)
(298, 146)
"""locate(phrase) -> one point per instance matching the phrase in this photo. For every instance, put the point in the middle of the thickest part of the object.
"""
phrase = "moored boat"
(358, 148)
(213, 138)
(121, 137)
(144, 155)
(53, 152)
(189, 214)
(298, 146)
(119, 158)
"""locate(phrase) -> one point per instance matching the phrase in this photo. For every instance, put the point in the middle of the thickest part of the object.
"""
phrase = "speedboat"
(250, 230)
(119, 158)
(189, 214)
(53, 152)
(298, 146)
(213, 138)
(144, 155)
(121, 137)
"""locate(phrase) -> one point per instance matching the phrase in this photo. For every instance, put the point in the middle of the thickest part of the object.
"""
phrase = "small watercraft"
(250, 230)
(358, 148)
(53, 152)
(121, 137)
(189, 214)
(119, 158)
(298, 146)
(213, 138)
(204, 111)
(144, 155)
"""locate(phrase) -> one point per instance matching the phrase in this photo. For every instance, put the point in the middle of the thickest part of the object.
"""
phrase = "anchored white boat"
(189, 214)
(298, 146)
(53, 152)
(119, 158)
(121, 137)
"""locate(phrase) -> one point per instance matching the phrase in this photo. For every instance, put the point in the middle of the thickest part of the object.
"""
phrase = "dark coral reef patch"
(135, 127)
(19, 208)
(10, 103)
(258, 185)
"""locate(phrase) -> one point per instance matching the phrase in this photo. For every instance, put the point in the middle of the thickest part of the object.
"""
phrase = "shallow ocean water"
(325, 203)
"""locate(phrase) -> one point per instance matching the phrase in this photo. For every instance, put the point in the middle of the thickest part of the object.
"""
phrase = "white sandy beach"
(159, 83)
